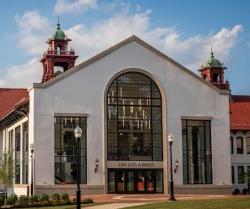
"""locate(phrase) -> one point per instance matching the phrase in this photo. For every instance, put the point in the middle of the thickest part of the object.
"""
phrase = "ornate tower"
(57, 55)
(213, 71)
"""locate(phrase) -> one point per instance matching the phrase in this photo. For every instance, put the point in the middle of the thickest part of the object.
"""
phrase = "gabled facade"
(126, 100)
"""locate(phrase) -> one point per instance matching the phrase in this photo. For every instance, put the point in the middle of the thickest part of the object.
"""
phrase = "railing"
(60, 52)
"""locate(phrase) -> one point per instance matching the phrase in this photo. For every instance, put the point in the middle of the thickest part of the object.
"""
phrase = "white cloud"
(33, 32)
(89, 40)
(73, 6)
(190, 52)
(21, 75)
(32, 21)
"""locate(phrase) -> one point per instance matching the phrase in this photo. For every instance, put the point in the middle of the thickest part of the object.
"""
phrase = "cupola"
(213, 71)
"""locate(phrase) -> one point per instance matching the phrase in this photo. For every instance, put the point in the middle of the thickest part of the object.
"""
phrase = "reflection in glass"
(66, 150)
(131, 183)
(159, 181)
(239, 144)
(134, 119)
(17, 154)
(111, 183)
(120, 181)
(197, 152)
(150, 181)
(25, 145)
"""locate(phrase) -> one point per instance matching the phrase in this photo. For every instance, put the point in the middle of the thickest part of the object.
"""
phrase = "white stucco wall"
(83, 92)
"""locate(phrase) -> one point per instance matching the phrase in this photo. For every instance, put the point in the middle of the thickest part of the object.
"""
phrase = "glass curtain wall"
(66, 150)
(25, 146)
(17, 154)
(197, 152)
(134, 118)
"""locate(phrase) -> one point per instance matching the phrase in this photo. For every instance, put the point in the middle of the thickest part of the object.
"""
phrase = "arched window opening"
(58, 49)
(134, 119)
(215, 77)
(58, 70)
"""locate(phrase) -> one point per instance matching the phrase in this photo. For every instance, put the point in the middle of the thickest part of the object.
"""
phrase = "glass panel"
(25, 152)
(197, 153)
(150, 181)
(159, 181)
(10, 144)
(131, 181)
(239, 144)
(111, 183)
(240, 172)
(120, 181)
(133, 118)
(140, 181)
(232, 174)
(17, 154)
(248, 145)
(232, 145)
(66, 150)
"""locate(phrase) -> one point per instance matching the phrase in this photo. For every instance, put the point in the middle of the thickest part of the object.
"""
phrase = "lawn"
(235, 203)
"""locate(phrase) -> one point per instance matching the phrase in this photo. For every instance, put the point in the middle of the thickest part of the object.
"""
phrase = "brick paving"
(148, 198)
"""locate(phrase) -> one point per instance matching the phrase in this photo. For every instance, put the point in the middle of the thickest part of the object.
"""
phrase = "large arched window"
(134, 119)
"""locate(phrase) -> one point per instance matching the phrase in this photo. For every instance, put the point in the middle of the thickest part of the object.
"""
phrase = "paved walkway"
(148, 198)
(115, 205)
(121, 201)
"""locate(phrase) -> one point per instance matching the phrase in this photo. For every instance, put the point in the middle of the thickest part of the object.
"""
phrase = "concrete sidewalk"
(114, 205)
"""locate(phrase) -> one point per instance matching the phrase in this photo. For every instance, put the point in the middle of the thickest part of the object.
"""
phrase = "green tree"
(6, 171)
(246, 178)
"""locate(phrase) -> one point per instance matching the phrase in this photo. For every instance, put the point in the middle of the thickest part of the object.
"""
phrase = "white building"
(126, 99)
(240, 139)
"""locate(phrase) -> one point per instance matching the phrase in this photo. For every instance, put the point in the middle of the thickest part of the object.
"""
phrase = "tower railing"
(59, 52)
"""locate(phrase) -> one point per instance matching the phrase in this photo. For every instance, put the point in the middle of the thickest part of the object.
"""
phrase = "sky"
(183, 30)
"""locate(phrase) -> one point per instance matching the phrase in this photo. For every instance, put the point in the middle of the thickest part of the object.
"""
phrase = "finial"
(58, 23)
(212, 54)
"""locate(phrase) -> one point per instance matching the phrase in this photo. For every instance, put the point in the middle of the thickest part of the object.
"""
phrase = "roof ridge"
(117, 46)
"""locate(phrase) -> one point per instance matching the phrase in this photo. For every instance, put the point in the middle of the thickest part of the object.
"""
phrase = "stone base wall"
(204, 189)
(70, 189)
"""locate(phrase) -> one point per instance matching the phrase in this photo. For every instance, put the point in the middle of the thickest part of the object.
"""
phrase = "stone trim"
(72, 114)
(208, 189)
(196, 117)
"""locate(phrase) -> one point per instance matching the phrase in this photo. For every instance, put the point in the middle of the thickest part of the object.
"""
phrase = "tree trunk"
(248, 187)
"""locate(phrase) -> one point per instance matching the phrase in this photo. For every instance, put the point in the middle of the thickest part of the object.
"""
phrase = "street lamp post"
(171, 183)
(32, 169)
(78, 135)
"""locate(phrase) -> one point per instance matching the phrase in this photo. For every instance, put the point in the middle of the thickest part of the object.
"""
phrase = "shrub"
(43, 203)
(33, 199)
(11, 200)
(55, 196)
(64, 196)
(23, 201)
(1, 200)
(55, 202)
(245, 191)
(87, 201)
(65, 202)
(236, 192)
(44, 198)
